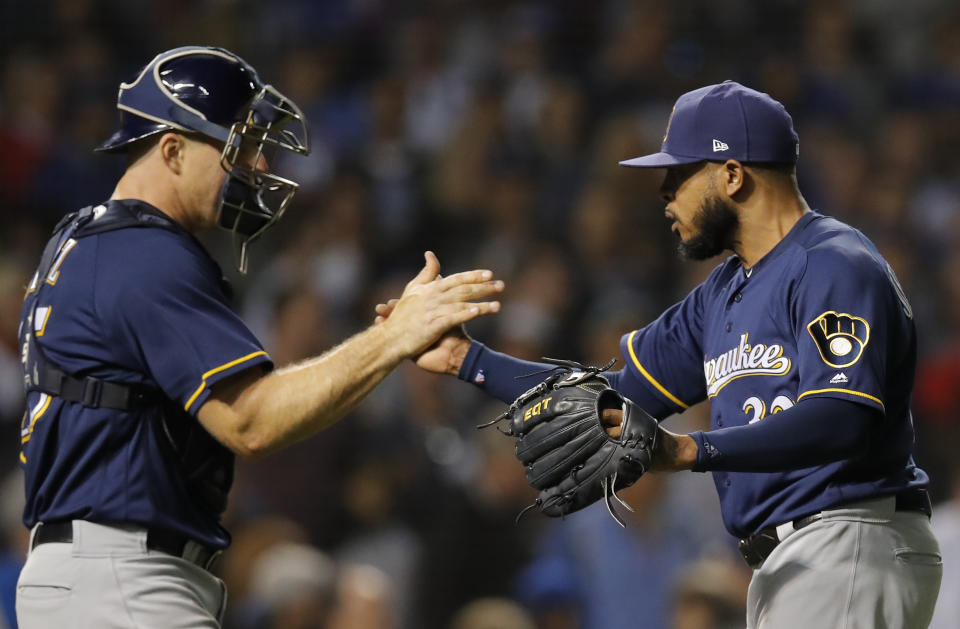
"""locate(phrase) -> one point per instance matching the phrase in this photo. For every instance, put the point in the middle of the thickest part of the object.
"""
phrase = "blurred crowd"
(489, 132)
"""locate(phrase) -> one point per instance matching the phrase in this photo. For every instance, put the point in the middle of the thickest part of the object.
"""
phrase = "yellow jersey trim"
(43, 409)
(54, 274)
(866, 395)
(232, 363)
(650, 378)
(33, 285)
(46, 318)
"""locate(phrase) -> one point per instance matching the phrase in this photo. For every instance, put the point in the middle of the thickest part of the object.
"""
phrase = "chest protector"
(204, 463)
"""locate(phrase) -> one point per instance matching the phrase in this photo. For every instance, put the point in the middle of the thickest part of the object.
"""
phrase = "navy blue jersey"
(134, 305)
(821, 315)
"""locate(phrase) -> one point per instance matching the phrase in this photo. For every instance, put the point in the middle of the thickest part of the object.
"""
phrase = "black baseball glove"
(564, 446)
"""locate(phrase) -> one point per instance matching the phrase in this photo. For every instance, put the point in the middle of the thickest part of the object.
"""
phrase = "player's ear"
(732, 177)
(172, 146)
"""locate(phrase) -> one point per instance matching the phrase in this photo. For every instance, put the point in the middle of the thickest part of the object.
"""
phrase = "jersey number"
(757, 409)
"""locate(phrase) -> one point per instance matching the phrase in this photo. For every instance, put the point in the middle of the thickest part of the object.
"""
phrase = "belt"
(157, 539)
(756, 548)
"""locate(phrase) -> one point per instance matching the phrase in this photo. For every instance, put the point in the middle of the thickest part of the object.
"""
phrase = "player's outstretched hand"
(444, 356)
(427, 320)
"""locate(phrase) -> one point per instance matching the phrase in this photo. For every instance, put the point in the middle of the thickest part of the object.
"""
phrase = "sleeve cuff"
(706, 452)
(468, 370)
(223, 371)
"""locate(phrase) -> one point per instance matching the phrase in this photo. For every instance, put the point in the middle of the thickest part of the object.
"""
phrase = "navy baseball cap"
(721, 122)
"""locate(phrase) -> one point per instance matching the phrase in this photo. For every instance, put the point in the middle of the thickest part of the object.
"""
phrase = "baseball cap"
(721, 122)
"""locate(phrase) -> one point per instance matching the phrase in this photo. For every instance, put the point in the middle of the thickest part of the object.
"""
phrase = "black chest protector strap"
(89, 391)
(47, 377)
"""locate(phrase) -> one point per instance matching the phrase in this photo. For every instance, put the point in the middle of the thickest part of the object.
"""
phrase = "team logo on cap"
(666, 133)
(839, 337)
(719, 146)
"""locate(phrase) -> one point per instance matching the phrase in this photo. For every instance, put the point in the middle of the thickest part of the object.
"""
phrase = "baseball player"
(143, 384)
(804, 343)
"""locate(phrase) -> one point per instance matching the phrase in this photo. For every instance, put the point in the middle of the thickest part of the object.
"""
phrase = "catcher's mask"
(215, 93)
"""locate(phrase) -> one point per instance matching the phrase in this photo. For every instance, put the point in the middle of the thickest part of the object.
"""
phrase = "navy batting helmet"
(215, 93)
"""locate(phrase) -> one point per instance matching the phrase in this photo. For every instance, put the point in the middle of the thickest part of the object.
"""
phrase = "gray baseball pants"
(867, 566)
(108, 579)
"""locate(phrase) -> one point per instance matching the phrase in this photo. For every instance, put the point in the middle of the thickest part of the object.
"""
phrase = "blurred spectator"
(710, 594)
(14, 539)
(492, 613)
(364, 600)
(293, 587)
(377, 537)
(475, 545)
(11, 387)
(237, 567)
(616, 576)
(32, 95)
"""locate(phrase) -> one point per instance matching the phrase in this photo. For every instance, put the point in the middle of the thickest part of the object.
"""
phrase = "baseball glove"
(564, 446)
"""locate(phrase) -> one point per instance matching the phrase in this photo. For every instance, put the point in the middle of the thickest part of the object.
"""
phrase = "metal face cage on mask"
(215, 93)
(252, 198)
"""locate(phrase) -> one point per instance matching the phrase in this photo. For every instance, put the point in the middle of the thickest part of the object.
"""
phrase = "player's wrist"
(458, 354)
(391, 338)
(673, 452)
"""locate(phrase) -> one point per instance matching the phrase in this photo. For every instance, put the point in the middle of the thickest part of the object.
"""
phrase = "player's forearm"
(252, 415)
(300, 400)
(500, 375)
(812, 432)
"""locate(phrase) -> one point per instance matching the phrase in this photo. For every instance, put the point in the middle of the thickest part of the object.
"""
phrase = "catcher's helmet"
(215, 93)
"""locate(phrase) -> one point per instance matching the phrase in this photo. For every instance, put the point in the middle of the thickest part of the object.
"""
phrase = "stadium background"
(490, 132)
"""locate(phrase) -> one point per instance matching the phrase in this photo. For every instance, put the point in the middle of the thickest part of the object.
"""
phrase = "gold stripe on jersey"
(650, 378)
(848, 391)
(54, 273)
(36, 414)
(216, 370)
(41, 326)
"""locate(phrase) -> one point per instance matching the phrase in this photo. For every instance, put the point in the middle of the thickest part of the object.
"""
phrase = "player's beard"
(716, 222)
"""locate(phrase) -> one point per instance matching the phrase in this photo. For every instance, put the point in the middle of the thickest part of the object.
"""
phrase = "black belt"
(756, 548)
(157, 539)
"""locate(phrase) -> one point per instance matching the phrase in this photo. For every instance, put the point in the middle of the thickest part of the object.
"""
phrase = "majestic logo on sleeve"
(744, 360)
(839, 337)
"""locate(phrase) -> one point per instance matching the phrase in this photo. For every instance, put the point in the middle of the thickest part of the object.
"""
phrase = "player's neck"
(765, 220)
(143, 185)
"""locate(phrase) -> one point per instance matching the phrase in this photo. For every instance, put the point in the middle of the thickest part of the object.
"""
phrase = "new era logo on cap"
(754, 127)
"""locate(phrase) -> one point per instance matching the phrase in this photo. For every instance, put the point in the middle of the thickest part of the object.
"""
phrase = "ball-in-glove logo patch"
(841, 346)
(840, 337)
